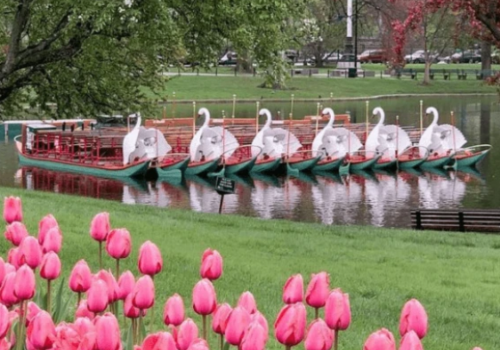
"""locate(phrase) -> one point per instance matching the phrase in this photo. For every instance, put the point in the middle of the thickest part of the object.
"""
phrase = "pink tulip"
(380, 340)
(15, 257)
(150, 260)
(129, 310)
(118, 243)
(4, 321)
(338, 310)
(259, 318)
(3, 270)
(100, 227)
(255, 337)
(186, 334)
(80, 277)
(9, 268)
(12, 209)
(238, 321)
(111, 283)
(48, 222)
(7, 295)
(66, 337)
(51, 266)
(318, 290)
(173, 312)
(83, 310)
(211, 265)
(477, 348)
(319, 336)
(198, 344)
(159, 341)
(97, 296)
(290, 324)
(413, 318)
(411, 341)
(293, 291)
(41, 332)
(108, 333)
(143, 295)
(16, 232)
(32, 310)
(126, 284)
(5, 345)
(204, 298)
(83, 325)
(247, 301)
(220, 318)
(52, 240)
(24, 283)
(31, 253)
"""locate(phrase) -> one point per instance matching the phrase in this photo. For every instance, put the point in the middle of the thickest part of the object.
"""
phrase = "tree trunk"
(427, 77)
(486, 59)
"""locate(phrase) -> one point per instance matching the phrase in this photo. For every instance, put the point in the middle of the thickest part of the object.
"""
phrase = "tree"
(96, 56)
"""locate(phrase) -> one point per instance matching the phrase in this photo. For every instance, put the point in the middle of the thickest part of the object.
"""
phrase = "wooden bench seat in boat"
(475, 220)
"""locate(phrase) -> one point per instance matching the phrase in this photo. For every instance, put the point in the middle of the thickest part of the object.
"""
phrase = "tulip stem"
(139, 330)
(204, 318)
(336, 340)
(316, 313)
(21, 326)
(288, 347)
(221, 341)
(48, 298)
(134, 333)
(79, 298)
(117, 269)
(100, 255)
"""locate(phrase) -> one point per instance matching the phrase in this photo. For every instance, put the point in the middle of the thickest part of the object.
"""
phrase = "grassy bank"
(455, 276)
(211, 87)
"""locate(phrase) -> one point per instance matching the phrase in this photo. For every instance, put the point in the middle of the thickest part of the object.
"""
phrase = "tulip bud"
(338, 310)
(159, 341)
(126, 284)
(41, 331)
(211, 265)
(290, 324)
(4, 321)
(259, 318)
(97, 296)
(293, 291)
(118, 243)
(83, 310)
(48, 222)
(15, 257)
(173, 312)
(12, 209)
(143, 295)
(204, 298)
(198, 344)
(255, 337)
(108, 333)
(7, 295)
(16, 232)
(318, 290)
(411, 341)
(413, 318)
(111, 283)
(380, 340)
(51, 266)
(31, 253)
(33, 310)
(24, 283)
(80, 277)
(247, 301)
(100, 226)
(150, 260)
(52, 240)
(220, 318)
(238, 321)
(319, 336)
(186, 334)
(129, 310)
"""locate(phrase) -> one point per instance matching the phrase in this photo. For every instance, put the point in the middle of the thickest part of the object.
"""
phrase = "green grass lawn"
(455, 276)
(211, 87)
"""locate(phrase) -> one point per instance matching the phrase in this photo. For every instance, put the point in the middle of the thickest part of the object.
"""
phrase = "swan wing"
(372, 140)
(290, 143)
(454, 137)
(349, 140)
(130, 141)
(230, 143)
(195, 143)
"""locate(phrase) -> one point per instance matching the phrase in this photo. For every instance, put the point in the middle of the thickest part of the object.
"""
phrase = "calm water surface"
(370, 198)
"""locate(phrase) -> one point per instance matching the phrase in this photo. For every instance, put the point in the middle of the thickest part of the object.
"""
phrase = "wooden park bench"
(475, 220)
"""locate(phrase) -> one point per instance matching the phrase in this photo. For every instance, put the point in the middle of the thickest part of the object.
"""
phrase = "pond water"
(368, 198)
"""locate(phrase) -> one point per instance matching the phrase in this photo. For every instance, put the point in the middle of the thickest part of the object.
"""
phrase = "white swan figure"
(210, 143)
(274, 142)
(317, 145)
(440, 138)
(129, 141)
(372, 143)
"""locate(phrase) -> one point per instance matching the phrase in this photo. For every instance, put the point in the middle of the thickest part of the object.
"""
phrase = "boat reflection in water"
(363, 198)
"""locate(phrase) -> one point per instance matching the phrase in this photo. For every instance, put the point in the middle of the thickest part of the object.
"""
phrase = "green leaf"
(58, 303)
(226, 346)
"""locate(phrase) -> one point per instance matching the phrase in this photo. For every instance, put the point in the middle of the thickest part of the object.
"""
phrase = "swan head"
(204, 112)
(265, 111)
(378, 111)
(434, 112)
(330, 113)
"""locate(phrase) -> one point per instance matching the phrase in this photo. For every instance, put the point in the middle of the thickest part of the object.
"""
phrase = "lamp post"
(349, 47)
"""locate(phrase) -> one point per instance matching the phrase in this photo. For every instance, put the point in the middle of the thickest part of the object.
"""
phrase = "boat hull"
(436, 162)
(119, 172)
(472, 160)
(242, 167)
(304, 165)
(385, 164)
(173, 170)
(366, 164)
(202, 168)
(333, 164)
(266, 166)
(409, 164)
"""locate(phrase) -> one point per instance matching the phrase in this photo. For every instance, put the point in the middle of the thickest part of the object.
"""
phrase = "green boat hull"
(436, 163)
(243, 167)
(131, 171)
(365, 164)
(304, 165)
(266, 167)
(203, 168)
(409, 164)
(174, 170)
(328, 166)
(472, 160)
(386, 165)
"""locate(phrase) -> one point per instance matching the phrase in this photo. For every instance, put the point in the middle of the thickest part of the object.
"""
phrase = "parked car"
(466, 57)
(373, 56)
(419, 57)
(229, 59)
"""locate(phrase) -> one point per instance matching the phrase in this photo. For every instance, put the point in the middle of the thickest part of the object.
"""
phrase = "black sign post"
(223, 186)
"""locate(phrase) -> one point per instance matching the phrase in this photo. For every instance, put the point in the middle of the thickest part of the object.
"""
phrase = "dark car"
(373, 56)
(467, 57)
